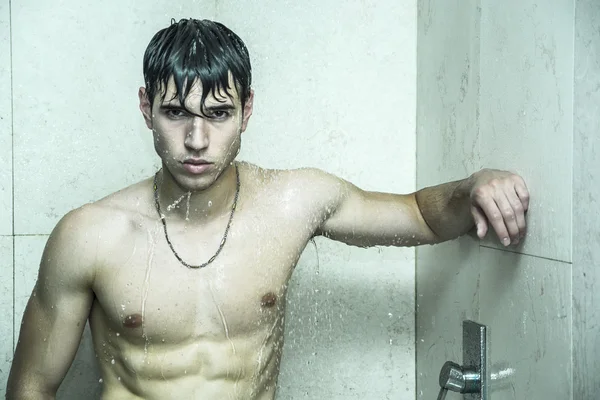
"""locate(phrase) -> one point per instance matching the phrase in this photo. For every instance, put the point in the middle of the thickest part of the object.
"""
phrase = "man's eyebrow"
(170, 106)
(220, 107)
(212, 107)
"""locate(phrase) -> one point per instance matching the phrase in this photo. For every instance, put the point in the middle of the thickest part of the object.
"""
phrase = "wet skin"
(162, 330)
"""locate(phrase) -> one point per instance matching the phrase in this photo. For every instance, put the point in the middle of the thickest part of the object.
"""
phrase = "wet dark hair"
(197, 49)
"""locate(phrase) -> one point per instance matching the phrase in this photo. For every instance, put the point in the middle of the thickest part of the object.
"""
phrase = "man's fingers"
(480, 221)
(495, 218)
(509, 218)
(523, 193)
(519, 208)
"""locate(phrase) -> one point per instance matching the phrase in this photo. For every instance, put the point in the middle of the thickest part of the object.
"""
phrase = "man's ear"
(145, 107)
(248, 110)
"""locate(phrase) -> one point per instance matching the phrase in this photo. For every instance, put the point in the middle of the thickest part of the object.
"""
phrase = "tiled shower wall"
(586, 198)
(335, 83)
(6, 214)
(526, 75)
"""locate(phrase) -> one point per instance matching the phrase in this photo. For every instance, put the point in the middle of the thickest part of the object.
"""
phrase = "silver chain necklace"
(162, 218)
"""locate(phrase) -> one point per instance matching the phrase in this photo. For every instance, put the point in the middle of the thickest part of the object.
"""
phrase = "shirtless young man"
(183, 276)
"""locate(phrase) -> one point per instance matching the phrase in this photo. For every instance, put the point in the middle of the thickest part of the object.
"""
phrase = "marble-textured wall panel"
(527, 111)
(6, 224)
(447, 294)
(336, 91)
(447, 149)
(526, 304)
(6, 310)
(349, 326)
(586, 201)
(447, 91)
(79, 134)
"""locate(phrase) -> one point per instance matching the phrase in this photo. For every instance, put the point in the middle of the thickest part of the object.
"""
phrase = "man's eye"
(219, 114)
(176, 113)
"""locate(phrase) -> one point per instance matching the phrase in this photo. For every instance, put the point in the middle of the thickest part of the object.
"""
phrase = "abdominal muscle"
(244, 368)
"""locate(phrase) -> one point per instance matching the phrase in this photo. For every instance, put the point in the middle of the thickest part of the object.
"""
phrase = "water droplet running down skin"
(187, 210)
(152, 238)
(259, 361)
(223, 320)
(179, 200)
(226, 329)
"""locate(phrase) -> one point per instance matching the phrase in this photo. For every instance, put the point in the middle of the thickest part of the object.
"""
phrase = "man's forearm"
(446, 208)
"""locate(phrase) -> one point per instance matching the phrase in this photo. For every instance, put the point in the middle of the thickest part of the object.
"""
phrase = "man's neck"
(177, 204)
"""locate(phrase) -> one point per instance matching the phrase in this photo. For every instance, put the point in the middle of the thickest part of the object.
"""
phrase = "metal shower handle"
(470, 378)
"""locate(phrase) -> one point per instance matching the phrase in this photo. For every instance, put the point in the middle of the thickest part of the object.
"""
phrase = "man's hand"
(501, 199)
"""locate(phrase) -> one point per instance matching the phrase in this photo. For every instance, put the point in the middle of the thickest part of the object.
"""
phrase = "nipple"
(268, 300)
(132, 321)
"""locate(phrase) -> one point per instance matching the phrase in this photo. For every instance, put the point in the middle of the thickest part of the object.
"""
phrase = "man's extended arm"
(431, 215)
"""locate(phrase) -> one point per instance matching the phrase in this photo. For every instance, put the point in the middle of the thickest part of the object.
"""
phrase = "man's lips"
(196, 162)
(196, 166)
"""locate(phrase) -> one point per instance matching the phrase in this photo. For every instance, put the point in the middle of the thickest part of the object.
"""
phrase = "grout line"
(27, 234)
(415, 325)
(573, 322)
(526, 254)
(12, 154)
(415, 187)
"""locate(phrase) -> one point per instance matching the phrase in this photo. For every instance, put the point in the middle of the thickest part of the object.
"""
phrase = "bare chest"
(146, 294)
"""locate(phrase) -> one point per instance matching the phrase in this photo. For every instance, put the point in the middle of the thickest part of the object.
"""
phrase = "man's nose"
(197, 136)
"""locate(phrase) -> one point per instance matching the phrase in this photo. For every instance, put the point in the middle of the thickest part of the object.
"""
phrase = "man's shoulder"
(306, 186)
(290, 176)
(80, 239)
(110, 216)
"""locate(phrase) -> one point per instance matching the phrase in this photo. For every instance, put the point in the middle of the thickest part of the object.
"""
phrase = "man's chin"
(196, 184)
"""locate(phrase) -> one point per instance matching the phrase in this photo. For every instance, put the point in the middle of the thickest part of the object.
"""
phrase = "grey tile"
(526, 304)
(527, 111)
(447, 149)
(79, 134)
(28, 253)
(352, 69)
(6, 307)
(447, 294)
(349, 325)
(447, 91)
(586, 235)
(6, 205)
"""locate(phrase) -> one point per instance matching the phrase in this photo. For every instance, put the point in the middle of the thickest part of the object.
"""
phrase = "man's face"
(196, 149)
